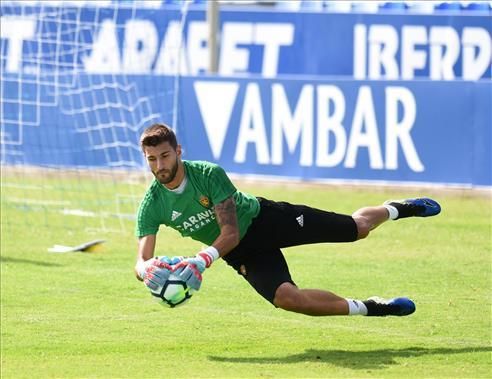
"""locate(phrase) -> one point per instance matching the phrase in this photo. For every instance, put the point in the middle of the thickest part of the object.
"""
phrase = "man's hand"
(142, 266)
(171, 261)
(156, 274)
(190, 269)
(189, 273)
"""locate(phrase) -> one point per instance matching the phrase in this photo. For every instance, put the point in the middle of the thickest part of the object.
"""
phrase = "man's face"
(163, 161)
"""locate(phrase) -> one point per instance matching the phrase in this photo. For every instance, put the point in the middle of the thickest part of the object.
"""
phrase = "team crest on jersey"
(204, 201)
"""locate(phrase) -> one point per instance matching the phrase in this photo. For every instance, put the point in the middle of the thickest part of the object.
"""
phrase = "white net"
(72, 110)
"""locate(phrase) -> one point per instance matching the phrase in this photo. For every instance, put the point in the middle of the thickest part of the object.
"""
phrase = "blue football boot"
(420, 207)
(400, 306)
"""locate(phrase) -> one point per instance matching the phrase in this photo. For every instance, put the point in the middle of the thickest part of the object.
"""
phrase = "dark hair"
(156, 134)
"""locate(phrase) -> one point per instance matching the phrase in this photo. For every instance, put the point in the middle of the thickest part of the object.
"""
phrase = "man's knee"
(287, 297)
(363, 226)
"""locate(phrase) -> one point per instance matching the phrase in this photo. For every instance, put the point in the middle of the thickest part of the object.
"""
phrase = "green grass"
(85, 316)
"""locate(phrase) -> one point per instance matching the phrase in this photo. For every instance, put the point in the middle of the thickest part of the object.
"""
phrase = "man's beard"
(169, 174)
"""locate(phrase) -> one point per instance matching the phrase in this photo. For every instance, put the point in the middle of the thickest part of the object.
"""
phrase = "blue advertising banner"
(269, 43)
(423, 132)
(363, 46)
(333, 129)
(395, 98)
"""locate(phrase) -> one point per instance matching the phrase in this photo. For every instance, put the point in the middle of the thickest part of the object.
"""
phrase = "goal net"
(74, 100)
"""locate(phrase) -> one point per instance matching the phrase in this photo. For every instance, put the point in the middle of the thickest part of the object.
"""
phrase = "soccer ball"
(174, 292)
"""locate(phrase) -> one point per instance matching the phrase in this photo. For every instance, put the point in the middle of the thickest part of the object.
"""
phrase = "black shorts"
(258, 257)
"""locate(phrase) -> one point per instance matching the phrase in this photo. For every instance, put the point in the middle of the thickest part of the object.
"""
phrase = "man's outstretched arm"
(146, 247)
(228, 238)
(191, 269)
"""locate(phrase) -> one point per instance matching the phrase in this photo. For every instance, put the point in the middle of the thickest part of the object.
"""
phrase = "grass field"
(83, 315)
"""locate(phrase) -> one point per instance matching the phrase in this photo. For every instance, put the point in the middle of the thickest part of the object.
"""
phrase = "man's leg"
(314, 302)
(369, 218)
(310, 302)
(268, 273)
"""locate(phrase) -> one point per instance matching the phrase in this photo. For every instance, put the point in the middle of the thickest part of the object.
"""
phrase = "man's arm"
(190, 269)
(228, 238)
(146, 247)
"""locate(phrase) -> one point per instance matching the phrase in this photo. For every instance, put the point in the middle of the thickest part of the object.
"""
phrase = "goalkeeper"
(198, 200)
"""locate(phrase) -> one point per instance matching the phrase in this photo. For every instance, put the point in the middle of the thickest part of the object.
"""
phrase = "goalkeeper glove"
(156, 274)
(190, 269)
(143, 266)
(171, 261)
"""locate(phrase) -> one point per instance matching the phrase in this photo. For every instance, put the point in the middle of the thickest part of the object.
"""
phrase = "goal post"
(73, 105)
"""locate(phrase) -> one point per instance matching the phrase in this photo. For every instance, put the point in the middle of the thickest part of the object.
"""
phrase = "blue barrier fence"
(290, 113)
(428, 132)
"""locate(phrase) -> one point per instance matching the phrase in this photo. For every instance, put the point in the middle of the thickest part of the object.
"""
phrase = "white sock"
(393, 212)
(356, 307)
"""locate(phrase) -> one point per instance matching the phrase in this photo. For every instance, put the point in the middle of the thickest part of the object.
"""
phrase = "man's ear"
(178, 150)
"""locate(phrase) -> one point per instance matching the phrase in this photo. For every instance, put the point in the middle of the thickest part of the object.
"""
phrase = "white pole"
(213, 29)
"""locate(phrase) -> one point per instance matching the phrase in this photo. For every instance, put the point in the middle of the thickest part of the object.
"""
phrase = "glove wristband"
(209, 255)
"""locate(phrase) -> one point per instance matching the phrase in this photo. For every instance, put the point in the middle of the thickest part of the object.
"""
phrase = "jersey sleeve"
(220, 186)
(147, 221)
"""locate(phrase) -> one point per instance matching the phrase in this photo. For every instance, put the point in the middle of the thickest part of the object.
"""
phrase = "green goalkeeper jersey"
(191, 212)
